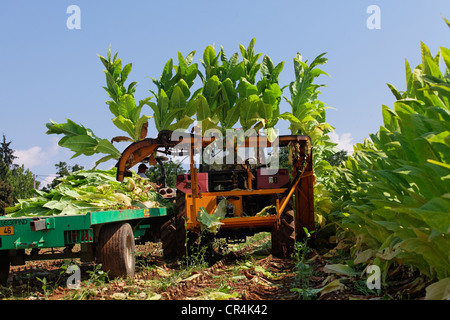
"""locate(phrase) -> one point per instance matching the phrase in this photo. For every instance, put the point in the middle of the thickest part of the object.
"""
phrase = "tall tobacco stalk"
(394, 192)
(229, 95)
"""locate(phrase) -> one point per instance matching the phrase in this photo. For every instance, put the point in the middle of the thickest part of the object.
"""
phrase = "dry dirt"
(246, 272)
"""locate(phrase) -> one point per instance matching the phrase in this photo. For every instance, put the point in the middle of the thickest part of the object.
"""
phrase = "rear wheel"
(4, 267)
(283, 235)
(173, 231)
(116, 250)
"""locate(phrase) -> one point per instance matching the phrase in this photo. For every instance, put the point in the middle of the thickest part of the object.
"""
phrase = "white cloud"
(36, 156)
(45, 181)
(344, 141)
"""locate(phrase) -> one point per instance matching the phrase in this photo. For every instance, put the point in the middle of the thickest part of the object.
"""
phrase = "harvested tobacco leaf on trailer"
(90, 190)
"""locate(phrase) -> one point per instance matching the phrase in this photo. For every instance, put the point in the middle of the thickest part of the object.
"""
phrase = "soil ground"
(242, 272)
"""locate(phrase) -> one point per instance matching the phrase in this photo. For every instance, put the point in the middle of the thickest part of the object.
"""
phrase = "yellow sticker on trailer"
(6, 231)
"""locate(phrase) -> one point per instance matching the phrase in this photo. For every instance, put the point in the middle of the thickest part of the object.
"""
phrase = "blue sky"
(52, 72)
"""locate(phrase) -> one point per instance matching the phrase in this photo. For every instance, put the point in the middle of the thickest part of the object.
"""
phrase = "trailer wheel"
(4, 267)
(283, 235)
(173, 231)
(116, 250)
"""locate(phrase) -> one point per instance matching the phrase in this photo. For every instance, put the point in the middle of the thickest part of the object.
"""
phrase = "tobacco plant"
(173, 98)
(127, 116)
(308, 117)
(393, 193)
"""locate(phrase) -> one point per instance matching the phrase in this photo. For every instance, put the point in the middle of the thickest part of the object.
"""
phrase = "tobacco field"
(244, 272)
(387, 205)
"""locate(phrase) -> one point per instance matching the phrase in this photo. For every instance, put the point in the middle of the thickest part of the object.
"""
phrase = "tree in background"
(6, 199)
(6, 159)
(22, 182)
(19, 179)
(337, 158)
(62, 170)
(172, 169)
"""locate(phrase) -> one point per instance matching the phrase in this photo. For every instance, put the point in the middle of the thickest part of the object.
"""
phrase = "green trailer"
(106, 237)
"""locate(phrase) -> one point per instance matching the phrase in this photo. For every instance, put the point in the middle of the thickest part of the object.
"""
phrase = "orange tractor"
(256, 199)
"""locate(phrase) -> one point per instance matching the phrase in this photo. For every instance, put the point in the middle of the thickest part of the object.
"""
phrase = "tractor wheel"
(173, 231)
(283, 235)
(4, 267)
(116, 250)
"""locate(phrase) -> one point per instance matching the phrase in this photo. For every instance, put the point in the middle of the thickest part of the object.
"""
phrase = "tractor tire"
(283, 235)
(173, 231)
(4, 267)
(116, 250)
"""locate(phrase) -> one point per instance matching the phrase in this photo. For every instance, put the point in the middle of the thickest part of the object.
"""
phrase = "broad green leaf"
(394, 91)
(127, 107)
(246, 89)
(211, 222)
(265, 110)
(183, 123)
(163, 103)
(69, 128)
(267, 67)
(126, 71)
(443, 138)
(296, 125)
(169, 117)
(276, 72)
(272, 94)
(249, 111)
(166, 75)
(271, 134)
(364, 256)
(436, 214)
(182, 64)
(227, 87)
(439, 290)
(389, 118)
(210, 89)
(208, 124)
(209, 56)
(232, 116)
(105, 146)
(184, 88)
(340, 269)
(125, 124)
(425, 52)
(430, 253)
(178, 100)
(203, 110)
(190, 75)
(334, 285)
(290, 117)
(191, 107)
(80, 144)
(190, 57)
(445, 52)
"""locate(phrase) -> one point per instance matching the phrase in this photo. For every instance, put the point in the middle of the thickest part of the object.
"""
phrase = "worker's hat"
(142, 166)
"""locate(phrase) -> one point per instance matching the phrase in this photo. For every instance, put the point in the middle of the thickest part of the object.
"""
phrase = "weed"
(303, 271)
(44, 287)
(97, 278)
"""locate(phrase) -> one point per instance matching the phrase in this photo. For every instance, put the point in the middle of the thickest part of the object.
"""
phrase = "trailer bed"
(59, 231)
(91, 231)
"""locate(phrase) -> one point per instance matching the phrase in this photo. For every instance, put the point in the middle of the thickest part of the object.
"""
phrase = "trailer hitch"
(38, 224)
